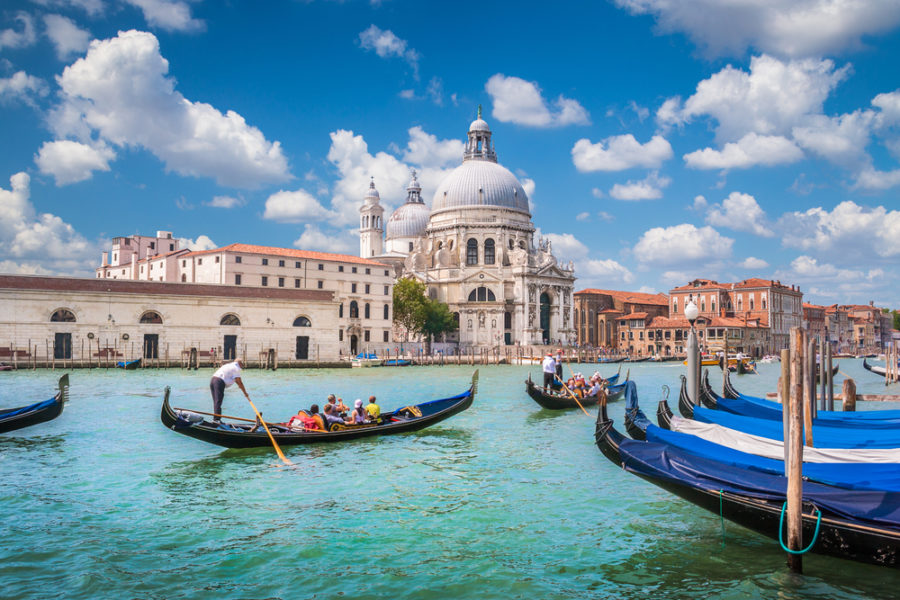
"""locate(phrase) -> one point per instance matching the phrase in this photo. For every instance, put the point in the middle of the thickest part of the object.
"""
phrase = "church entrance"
(354, 345)
(545, 317)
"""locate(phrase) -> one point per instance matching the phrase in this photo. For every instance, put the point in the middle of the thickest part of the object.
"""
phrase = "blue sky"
(658, 141)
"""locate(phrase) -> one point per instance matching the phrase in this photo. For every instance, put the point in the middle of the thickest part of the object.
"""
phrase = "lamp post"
(693, 353)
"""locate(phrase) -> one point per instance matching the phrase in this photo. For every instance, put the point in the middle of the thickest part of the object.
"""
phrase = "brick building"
(598, 313)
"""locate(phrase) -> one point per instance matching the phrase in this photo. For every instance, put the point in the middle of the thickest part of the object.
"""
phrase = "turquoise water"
(505, 500)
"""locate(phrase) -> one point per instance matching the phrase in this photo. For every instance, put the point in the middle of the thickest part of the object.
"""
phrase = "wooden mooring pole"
(795, 467)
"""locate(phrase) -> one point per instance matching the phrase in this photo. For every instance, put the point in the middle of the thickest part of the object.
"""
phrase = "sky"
(659, 141)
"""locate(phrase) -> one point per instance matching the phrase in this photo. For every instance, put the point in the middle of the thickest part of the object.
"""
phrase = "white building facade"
(475, 251)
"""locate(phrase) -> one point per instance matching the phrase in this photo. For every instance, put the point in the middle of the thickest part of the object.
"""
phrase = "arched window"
(183, 277)
(302, 322)
(472, 252)
(354, 309)
(367, 312)
(341, 311)
(675, 306)
(230, 319)
(511, 243)
(151, 317)
(482, 294)
(488, 252)
(63, 315)
(387, 312)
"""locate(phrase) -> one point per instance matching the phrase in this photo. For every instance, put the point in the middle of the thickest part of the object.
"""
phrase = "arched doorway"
(545, 317)
(354, 345)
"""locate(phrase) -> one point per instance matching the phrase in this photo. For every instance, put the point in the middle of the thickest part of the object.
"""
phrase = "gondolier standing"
(549, 368)
(226, 375)
(559, 371)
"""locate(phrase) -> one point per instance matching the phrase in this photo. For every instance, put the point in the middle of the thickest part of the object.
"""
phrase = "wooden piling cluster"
(891, 368)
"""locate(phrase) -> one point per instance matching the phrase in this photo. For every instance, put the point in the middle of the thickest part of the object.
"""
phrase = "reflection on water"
(503, 500)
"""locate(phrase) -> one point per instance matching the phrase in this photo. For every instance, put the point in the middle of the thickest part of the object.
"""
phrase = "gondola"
(6, 367)
(610, 360)
(129, 365)
(741, 404)
(875, 369)
(860, 525)
(230, 435)
(40, 412)
(638, 359)
(397, 362)
(563, 400)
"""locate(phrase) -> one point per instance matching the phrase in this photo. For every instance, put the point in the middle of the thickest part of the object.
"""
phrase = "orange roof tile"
(290, 253)
(633, 297)
(638, 315)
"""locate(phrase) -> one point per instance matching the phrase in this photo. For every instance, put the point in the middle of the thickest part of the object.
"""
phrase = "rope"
(815, 535)
(722, 519)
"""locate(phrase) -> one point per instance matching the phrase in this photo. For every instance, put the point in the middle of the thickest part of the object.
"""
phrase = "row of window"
(64, 315)
(354, 310)
(264, 282)
(366, 336)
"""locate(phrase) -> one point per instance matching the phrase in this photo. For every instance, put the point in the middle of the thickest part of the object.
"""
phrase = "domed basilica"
(474, 250)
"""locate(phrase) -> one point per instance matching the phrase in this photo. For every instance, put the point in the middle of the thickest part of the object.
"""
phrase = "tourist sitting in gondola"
(359, 414)
(331, 418)
(341, 409)
(373, 409)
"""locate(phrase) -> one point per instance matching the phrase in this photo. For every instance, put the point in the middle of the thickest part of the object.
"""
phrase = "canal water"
(505, 500)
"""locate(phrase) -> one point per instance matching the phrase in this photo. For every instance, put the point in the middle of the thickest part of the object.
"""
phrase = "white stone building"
(475, 251)
(362, 287)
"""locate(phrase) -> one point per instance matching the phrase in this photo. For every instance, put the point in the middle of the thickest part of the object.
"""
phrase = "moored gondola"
(129, 365)
(861, 525)
(873, 368)
(563, 400)
(610, 360)
(39, 412)
(232, 435)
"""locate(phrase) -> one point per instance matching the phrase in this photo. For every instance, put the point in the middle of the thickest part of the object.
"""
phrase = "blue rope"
(815, 535)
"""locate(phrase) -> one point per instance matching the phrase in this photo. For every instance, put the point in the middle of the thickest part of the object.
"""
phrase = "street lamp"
(693, 353)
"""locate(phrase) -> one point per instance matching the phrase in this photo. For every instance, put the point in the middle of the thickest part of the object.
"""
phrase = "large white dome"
(409, 220)
(477, 183)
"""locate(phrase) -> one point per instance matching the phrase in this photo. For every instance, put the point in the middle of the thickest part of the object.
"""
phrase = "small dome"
(409, 220)
(372, 195)
(479, 124)
(480, 183)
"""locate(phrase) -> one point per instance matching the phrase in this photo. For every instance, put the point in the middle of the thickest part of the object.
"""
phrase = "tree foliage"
(417, 313)
(897, 319)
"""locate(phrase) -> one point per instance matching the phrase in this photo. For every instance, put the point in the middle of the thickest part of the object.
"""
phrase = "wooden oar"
(266, 427)
(571, 393)
(200, 412)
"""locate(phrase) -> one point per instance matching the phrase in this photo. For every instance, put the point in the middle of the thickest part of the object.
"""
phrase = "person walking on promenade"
(227, 374)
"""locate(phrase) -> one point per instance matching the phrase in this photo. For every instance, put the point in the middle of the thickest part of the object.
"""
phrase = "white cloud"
(39, 243)
(435, 90)
(620, 152)
(169, 15)
(770, 100)
(583, 216)
(751, 262)
(749, 151)
(386, 45)
(200, 244)
(120, 90)
(567, 247)
(669, 114)
(597, 193)
(295, 207)
(350, 154)
(313, 238)
(841, 140)
(92, 7)
(699, 204)
(605, 216)
(740, 212)
(649, 188)
(71, 162)
(66, 36)
(681, 244)
(226, 202)
(23, 87)
(426, 150)
(889, 103)
(796, 28)
(872, 179)
(518, 101)
(849, 233)
(14, 38)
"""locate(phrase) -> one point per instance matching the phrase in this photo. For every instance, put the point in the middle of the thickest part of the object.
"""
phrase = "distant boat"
(610, 359)
(397, 362)
(129, 365)
(366, 359)
(39, 412)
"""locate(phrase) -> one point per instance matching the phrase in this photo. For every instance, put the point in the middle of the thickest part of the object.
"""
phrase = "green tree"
(897, 319)
(409, 305)
(438, 320)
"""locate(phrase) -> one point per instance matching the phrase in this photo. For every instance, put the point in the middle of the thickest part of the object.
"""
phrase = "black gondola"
(409, 418)
(563, 400)
(847, 527)
(877, 370)
(129, 365)
(610, 360)
(40, 412)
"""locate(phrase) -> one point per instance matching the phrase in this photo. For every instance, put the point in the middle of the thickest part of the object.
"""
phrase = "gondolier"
(549, 368)
(227, 374)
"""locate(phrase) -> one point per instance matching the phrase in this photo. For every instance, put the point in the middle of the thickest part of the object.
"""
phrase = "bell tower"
(371, 224)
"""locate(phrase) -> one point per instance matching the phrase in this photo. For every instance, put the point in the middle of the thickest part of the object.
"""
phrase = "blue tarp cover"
(12, 412)
(823, 437)
(662, 461)
(761, 408)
